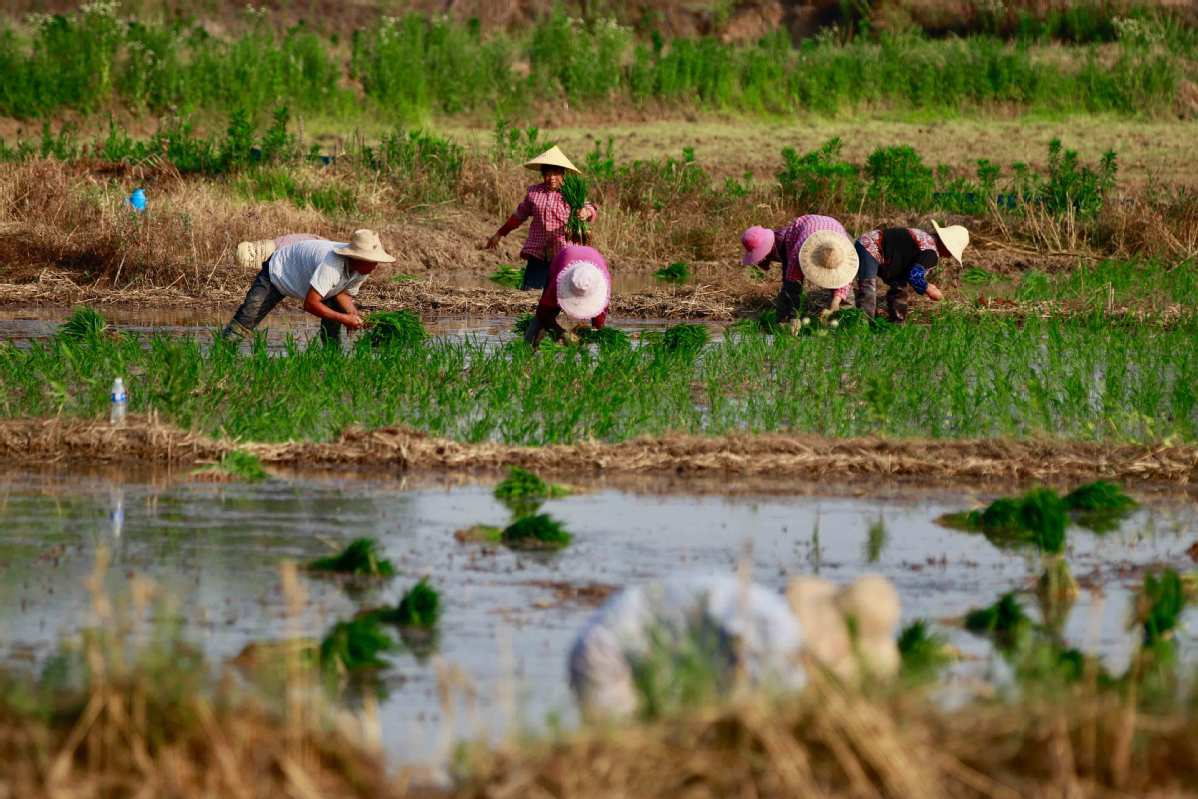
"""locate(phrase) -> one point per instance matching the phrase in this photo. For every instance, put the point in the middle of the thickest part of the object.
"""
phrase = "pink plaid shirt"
(549, 212)
(789, 240)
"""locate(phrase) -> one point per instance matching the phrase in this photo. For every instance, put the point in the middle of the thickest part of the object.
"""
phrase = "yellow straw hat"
(828, 259)
(551, 157)
(954, 237)
(364, 245)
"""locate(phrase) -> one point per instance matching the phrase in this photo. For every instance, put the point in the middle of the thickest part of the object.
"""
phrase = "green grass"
(1083, 379)
(360, 558)
(1096, 287)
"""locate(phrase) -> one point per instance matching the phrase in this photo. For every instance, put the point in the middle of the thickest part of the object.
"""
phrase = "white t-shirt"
(753, 627)
(312, 264)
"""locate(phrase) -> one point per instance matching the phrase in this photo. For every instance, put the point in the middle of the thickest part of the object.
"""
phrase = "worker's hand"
(934, 293)
(586, 213)
(354, 322)
(492, 242)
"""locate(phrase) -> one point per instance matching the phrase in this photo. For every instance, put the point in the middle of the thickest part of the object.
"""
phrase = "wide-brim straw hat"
(582, 290)
(828, 259)
(955, 239)
(364, 245)
(551, 157)
(757, 241)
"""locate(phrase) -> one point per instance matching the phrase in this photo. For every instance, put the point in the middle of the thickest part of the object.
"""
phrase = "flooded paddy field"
(509, 617)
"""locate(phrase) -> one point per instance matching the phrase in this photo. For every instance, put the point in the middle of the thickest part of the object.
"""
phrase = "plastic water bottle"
(138, 200)
(120, 402)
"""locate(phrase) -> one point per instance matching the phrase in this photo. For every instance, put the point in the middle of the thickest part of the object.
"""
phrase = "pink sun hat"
(757, 241)
(583, 289)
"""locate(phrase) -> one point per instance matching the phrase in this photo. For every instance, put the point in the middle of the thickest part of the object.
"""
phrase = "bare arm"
(314, 304)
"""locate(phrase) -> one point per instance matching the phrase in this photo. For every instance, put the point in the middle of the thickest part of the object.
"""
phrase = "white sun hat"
(582, 290)
(551, 157)
(364, 245)
(954, 237)
(828, 259)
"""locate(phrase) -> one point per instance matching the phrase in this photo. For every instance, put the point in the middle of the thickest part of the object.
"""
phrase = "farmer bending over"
(252, 253)
(578, 283)
(816, 256)
(903, 257)
(740, 630)
(324, 275)
(549, 212)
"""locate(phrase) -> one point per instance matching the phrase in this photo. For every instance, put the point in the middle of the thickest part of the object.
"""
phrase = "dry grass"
(832, 744)
(149, 440)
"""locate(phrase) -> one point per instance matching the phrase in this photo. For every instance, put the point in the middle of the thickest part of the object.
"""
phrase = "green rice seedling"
(875, 541)
(685, 338)
(574, 192)
(537, 531)
(1056, 584)
(394, 329)
(360, 558)
(520, 326)
(1004, 621)
(924, 652)
(976, 276)
(1038, 517)
(605, 337)
(354, 646)
(677, 272)
(420, 606)
(403, 278)
(480, 534)
(1099, 506)
(1159, 606)
(508, 276)
(239, 465)
(523, 491)
(85, 324)
(680, 669)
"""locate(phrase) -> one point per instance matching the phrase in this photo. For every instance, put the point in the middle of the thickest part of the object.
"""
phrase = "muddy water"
(508, 617)
(281, 326)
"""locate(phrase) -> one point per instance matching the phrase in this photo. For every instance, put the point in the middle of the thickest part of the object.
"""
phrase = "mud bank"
(150, 440)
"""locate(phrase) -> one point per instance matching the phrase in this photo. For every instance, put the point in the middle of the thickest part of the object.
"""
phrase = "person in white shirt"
(323, 275)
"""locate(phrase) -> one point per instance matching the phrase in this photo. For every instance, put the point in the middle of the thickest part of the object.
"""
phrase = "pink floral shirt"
(789, 240)
(549, 212)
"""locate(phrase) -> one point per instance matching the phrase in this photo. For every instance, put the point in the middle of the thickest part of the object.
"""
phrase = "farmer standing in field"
(579, 283)
(817, 257)
(903, 257)
(549, 212)
(323, 275)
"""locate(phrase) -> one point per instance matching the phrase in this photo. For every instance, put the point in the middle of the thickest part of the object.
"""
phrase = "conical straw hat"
(828, 259)
(365, 246)
(954, 237)
(551, 157)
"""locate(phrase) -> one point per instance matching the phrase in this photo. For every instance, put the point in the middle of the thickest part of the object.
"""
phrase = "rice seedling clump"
(420, 606)
(1005, 620)
(361, 558)
(605, 337)
(84, 324)
(1098, 496)
(523, 490)
(243, 465)
(677, 272)
(355, 645)
(394, 328)
(684, 339)
(508, 276)
(1039, 517)
(536, 531)
(574, 192)
(923, 652)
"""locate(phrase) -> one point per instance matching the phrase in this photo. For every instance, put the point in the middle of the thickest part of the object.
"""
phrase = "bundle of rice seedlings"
(976, 276)
(764, 322)
(236, 465)
(508, 276)
(84, 324)
(1004, 621)
(1159, 605)
(393, 328)
(605, 337)
(685, 338)
(523, 491)
(355, 645)
(520, 326)
(538, 531)
(1056, 584)
(1039, 517)
(360, 558)
(574, 192)
(420, 606)
(924, 652)
(677, 272)
(1099, 506)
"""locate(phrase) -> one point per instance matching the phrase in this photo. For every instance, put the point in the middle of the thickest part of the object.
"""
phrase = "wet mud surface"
(508, 617)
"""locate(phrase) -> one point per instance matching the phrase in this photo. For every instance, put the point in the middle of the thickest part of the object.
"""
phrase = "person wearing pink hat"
(579, 283)
(816, 254)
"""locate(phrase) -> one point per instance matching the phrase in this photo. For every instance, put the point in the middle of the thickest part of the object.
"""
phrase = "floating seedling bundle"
(355, 645)
(574, 192)
(508, 276)
(361, 558)
(523, 491)
(537, 531)
(420, 606)
(677, 272)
